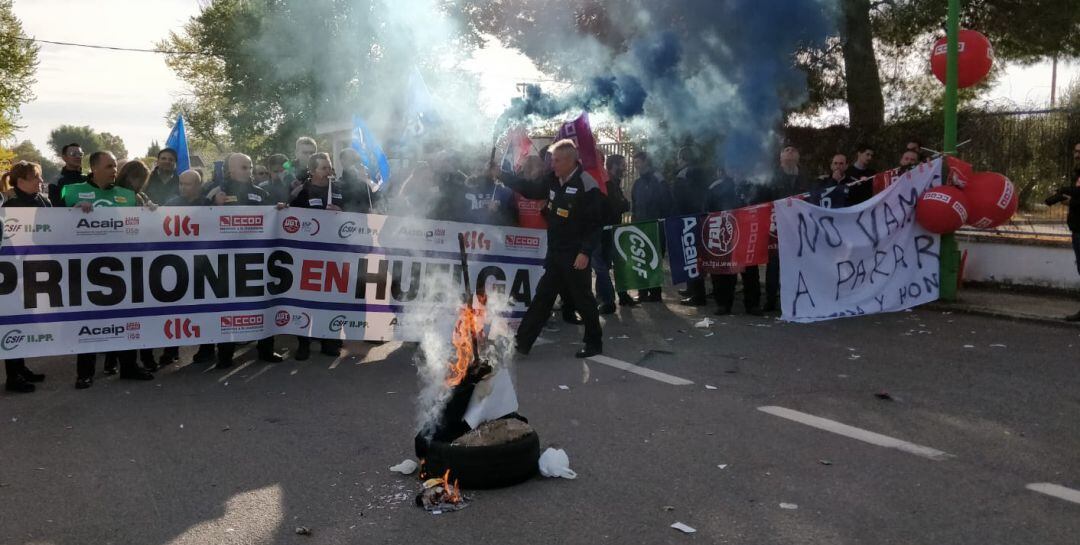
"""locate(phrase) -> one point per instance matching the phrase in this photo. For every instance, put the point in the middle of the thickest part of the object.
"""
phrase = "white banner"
(123, 278)
(865, 259)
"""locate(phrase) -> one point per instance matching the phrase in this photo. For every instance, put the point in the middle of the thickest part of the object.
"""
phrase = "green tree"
(113, 143)
(27, 151)
(154, 149)
(18, 64)
(87, 138)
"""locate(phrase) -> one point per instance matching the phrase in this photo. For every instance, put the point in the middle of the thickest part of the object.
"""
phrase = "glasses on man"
(75, 154)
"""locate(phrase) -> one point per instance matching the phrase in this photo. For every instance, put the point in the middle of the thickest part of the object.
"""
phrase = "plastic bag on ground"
(555, 463)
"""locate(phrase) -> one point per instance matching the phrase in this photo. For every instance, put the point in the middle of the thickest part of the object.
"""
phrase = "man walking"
(574, 214)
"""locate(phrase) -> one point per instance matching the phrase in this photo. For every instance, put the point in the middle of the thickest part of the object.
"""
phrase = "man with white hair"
(575, 216)
(239, 189)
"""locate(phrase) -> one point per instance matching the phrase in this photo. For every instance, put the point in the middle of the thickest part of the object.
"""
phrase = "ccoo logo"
(178, 226)
(181, 328)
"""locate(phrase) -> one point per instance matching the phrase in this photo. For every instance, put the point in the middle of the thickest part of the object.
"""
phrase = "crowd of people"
(550, 190)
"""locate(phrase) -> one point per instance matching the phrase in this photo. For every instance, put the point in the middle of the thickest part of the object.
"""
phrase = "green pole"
(950, 251)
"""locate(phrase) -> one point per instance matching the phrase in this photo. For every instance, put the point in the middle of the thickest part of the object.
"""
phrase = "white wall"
(1043, 265)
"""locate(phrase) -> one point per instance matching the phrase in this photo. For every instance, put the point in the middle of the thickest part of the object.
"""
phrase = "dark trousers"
(560, 277)
(772, 280)
(85, 364)
(696, 287)
(724, 288)
(225, 351)
(1076, 249)
(327, 344)
(15, 369)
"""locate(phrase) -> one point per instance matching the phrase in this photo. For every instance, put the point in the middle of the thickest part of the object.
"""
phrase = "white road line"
(1055, 490)
(235, 371)
(857, 433)
(643, 371)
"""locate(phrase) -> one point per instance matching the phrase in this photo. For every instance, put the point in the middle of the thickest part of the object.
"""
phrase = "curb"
(1002, 314)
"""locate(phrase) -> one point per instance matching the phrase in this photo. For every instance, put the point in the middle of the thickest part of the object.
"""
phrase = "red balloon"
(976, 58)
(992, 200)
(942, 210)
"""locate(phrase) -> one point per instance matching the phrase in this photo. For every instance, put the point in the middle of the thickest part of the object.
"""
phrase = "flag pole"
(950, 250)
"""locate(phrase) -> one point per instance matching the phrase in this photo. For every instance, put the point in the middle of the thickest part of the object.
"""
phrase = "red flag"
(882, 180)
(518, 147)
(530, 212)
(731, 241)
(592, 160)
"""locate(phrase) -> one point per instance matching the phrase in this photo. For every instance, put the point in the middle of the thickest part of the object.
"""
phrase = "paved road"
(202, 457)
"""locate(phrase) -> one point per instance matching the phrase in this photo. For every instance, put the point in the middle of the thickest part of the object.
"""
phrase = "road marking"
(643, 371)
(235, 371)
(857, 433)
(1055, 490)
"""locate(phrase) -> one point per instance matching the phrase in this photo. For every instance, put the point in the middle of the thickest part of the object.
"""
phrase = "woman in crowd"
(24, 183)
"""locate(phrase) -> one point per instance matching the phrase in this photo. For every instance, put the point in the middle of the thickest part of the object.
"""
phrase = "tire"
(482, 467)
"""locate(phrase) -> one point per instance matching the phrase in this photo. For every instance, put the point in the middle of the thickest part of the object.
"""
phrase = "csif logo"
(179, 226)
(643, 254)
(350, 228)
(181, 328)
(12, 339)
(476, 240)
(339, 322)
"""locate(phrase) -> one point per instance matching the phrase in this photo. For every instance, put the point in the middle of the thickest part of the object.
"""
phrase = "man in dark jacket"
(164, 182)
(72, 173)
(724, 195)
(238, 189)
(651, 199)
(859, 170)
(1071, 195)
(788, 180)
(190, 185)
(690, 191)
(574, 214)
(615, 205)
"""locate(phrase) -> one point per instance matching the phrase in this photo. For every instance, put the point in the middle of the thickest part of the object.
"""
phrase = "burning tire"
(482, 466)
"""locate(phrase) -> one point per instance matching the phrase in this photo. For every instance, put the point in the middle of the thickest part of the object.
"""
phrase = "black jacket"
(615, 204)
(311, 196)
(691, 185)
(357, 193)
(784, 185)
(1073, 192)
(160, 189)
(67, 177)
(574, 211)
(179, 200)
(723, 195)
(26, 200)
(241, 194)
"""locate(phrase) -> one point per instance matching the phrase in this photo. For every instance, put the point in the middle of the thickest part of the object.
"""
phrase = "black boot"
(205, 354)
(303, 350)
(20, 385)
(589, 351)
(31, 376)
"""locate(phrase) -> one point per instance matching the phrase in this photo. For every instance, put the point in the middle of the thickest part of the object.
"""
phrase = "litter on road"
(789, 506)
(555, 463)
(407, 467)
(683, 528)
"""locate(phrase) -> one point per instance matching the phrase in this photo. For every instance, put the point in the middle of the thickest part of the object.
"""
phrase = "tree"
(27, 151)
(18, 64)
(86, 137)
(113, 143)
(154, 149)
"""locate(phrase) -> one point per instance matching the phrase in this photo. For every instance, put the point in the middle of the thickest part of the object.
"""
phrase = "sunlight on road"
(250, 517)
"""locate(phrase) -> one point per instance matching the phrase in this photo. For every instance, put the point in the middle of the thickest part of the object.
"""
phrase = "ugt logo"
(181, 328)
(476, 240)
(178, 226)
(721, 234)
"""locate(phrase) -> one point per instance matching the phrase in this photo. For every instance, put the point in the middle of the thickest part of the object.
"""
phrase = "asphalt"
(198, 456)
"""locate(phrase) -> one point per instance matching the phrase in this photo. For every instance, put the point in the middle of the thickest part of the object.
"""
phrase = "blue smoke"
(718, 71)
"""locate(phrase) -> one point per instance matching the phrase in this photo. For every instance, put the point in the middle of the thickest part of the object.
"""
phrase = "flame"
(470, 324)
(452, 491)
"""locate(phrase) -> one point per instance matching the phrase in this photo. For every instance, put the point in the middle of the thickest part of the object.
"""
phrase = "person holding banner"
(71, 173)
(574, 214)
(651, 199)
(690, 191)
(723, 195)
(787, 181)
(319, 192)
(238, 189)
(164, 182)
(25, 182)
(361, 194)
(279, 185)
(101, 190)
(860, 170)
(615, 205)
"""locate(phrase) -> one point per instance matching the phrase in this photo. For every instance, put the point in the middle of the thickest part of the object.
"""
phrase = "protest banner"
(637, 256)
(866, 259)
(731, 241)
(681, 235)
(118, 279)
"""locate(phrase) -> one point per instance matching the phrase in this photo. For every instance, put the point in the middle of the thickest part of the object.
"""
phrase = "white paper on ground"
(555, 463)
(405, 468)
(683, 528)
(492, 399)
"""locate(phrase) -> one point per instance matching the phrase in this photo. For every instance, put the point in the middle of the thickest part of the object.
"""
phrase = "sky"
(128, 93)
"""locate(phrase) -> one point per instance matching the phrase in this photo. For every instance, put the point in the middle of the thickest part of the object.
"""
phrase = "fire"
(440, 495)
(469, 328)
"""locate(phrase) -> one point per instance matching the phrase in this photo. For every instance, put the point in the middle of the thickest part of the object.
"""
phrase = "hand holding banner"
(637, 256)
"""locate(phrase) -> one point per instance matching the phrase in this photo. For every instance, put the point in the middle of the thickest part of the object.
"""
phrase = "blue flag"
(371, 153)
(178, 141)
